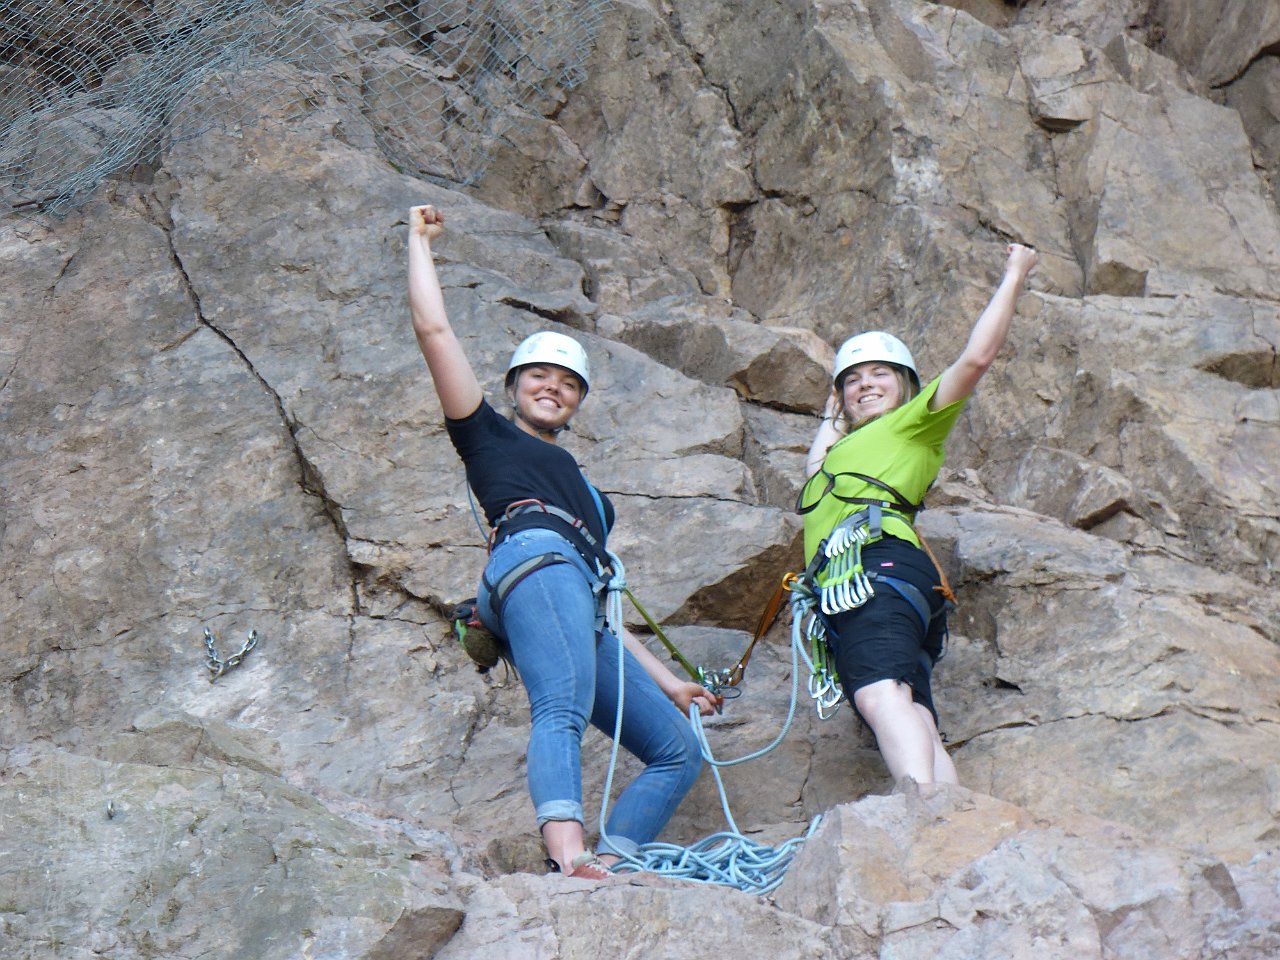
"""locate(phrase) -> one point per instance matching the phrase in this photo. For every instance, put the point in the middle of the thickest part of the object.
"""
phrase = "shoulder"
(482, 429)
(921, 423)
(921, 407)
(479, 414)
(483, 418)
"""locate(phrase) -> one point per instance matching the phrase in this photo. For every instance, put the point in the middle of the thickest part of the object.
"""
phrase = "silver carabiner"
(827, 707)
(816, 690)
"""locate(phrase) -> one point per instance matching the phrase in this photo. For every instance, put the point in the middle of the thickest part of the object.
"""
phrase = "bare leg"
(944, 770)
(906, 741)
(565, 839)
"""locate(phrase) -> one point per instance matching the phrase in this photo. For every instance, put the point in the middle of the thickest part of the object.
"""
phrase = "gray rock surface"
(214, 415)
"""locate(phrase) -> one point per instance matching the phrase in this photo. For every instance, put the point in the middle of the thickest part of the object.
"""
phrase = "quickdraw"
(718, 683)
(841, 579)
(725, 682)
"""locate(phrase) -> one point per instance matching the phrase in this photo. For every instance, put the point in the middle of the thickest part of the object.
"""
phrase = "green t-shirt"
(902, 448)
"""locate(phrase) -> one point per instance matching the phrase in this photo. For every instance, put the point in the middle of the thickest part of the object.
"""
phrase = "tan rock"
(1066, 80)
(934, 872)
(179, 855)
(671, 163)
(1257, 96)
(215, 415)
(781, 367)
(1218, 40)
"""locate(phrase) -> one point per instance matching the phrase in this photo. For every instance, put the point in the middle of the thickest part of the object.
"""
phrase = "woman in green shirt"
(877, 450)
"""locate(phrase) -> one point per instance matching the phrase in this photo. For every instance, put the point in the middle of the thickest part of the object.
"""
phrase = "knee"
(560, 712)
(926, 718)
(684, 754)
(884, 697)
(690, 770)
(692, 757)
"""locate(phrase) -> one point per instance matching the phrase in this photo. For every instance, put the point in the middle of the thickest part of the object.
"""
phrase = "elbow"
(977, 362)
(982, 364)
(424, 325)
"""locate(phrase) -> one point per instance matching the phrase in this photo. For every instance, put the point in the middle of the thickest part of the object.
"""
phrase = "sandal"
(587, 866)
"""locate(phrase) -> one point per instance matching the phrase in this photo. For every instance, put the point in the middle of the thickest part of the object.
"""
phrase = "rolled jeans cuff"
(618, 847)
(559, 810)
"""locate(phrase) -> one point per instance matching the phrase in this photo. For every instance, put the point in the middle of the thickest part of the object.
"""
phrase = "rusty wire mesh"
(92, 88)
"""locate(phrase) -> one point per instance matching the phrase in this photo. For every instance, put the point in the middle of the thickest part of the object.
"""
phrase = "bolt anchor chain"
(217, 667)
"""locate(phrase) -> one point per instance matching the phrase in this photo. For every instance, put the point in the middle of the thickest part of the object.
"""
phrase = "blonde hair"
(907, 382)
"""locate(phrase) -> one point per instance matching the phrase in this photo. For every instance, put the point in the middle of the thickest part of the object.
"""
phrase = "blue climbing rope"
(727, 857)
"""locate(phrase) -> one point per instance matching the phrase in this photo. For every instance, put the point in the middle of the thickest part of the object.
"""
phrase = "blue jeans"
(570, 673)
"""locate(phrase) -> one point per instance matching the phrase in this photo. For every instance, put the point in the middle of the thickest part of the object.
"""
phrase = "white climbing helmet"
(547, 346)
(873, 347)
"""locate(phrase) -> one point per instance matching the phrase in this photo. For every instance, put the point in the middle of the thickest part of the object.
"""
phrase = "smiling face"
(545, 397)
(871, 389)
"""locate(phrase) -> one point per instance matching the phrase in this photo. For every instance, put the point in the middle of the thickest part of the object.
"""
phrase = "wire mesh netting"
(91, 88)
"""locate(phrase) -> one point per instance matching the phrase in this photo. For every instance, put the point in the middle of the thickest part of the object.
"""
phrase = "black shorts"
(885, 638)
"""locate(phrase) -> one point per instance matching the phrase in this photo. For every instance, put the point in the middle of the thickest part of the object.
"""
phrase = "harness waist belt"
(533, 514)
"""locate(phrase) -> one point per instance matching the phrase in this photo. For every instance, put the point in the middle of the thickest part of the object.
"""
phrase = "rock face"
(215, 416)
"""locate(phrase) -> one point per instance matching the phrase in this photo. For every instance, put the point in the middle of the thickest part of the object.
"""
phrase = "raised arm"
(831, 428)
(989, 333)
(451, 372)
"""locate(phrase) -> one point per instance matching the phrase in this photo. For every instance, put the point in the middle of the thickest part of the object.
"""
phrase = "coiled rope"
(727, 858)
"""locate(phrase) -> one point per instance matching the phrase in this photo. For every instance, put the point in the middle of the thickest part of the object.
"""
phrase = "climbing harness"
(836, 569)
(597, 558)
(553, 518)
(218, 667)
(811, 634)
(722, 683)
(836, 582)
(485, 649)
(899, 504)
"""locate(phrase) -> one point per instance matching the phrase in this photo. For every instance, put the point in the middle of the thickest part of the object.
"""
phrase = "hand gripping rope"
(728, 857)
(722, 683)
